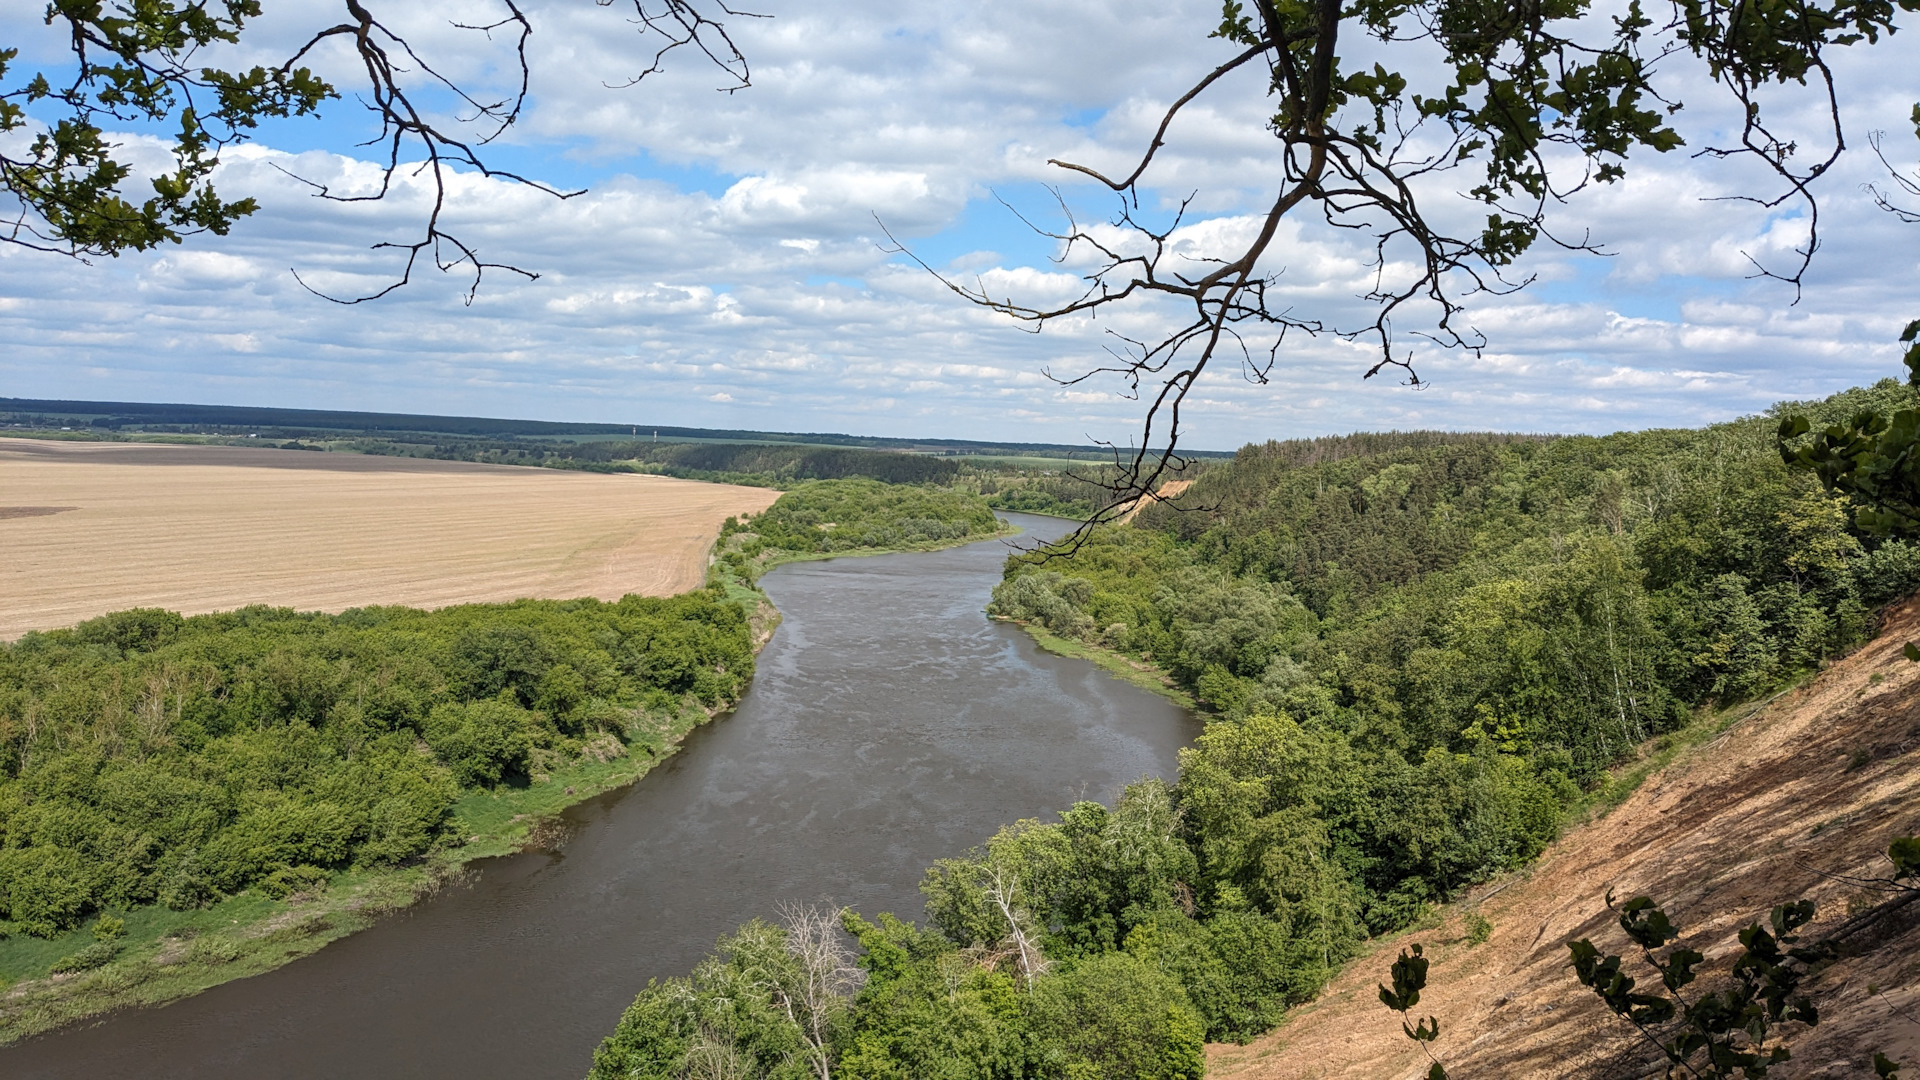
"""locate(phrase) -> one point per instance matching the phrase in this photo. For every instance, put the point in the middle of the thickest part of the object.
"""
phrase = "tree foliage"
(140, 63)
(149, 758)
(134, 64)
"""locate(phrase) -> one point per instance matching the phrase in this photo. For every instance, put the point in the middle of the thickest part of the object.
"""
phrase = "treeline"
(149, 758)
(756, 464)
(1419, 653)
(828, 517)
(1075, 491)
(778, 466)
(1071, 491)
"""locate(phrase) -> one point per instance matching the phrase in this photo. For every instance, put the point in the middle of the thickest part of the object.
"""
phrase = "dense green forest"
(146, 757)
(1419, 653)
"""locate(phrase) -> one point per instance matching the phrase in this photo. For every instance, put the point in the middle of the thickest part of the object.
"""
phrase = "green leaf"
(1905, 853)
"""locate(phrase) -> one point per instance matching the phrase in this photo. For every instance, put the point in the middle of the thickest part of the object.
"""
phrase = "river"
(889, 724)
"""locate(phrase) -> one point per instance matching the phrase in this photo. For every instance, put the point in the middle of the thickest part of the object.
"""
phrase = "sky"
(727, 264)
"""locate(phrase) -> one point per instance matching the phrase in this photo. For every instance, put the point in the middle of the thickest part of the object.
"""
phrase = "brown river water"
(889, 724)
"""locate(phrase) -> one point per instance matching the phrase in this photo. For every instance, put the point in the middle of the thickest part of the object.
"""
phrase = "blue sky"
(725, 267)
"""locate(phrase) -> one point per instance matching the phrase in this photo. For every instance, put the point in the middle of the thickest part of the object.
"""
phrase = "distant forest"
(760, 464)
(116, 416)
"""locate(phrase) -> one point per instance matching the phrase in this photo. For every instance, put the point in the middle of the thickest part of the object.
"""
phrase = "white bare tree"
(822, 980)
(1003, 890)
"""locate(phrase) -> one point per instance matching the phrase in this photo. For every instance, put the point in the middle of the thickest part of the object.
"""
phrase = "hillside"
(1818, 781)
(1422, 653)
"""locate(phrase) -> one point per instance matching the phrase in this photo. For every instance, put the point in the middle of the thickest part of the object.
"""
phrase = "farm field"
(88, 528)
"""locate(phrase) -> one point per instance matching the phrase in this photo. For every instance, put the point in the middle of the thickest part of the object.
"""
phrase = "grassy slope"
(1143, 675)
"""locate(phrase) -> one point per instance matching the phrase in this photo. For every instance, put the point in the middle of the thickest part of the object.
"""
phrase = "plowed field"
(87, 528)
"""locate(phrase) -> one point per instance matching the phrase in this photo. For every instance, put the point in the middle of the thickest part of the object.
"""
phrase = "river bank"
(164, 955)
(1146, 676)
(889, 724)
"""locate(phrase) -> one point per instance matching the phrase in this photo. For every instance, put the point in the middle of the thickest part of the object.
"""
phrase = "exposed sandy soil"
(1168, 490)
(1820, 780)
(87, 528)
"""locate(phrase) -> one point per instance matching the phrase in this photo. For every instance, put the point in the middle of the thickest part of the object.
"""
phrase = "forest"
(150, 758)
(1419, 653)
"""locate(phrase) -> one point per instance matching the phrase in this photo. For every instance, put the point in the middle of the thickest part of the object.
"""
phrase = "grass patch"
(167, 955)
(1145, 676)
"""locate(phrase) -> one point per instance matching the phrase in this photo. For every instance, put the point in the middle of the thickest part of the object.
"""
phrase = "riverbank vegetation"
(1420, 654)
(826, 518)
(185, 801)
(154, 767)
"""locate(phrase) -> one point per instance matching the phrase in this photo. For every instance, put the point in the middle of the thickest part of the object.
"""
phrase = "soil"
(1169, 490)
(1815, 783)
(90, 528)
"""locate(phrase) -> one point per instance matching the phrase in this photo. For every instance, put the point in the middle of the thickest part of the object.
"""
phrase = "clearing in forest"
(89, 528)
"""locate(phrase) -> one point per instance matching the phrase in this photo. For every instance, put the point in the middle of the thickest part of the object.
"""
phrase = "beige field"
(87, 528)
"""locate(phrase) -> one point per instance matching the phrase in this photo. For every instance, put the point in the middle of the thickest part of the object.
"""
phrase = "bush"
(1115, 1016)
(99, 954)
(288, 880)
(48, 889)
(186, 884)
(481, 741)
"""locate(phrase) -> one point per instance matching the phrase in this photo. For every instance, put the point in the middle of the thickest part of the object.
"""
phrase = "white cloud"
(726, 268)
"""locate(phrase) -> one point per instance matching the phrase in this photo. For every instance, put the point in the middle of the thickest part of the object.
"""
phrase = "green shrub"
(98, 954)
(288, 880)
(481, 741)
(1113, 1015)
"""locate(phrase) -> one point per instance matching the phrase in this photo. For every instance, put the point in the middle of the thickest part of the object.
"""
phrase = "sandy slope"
(87, 528)
(1820, 780)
